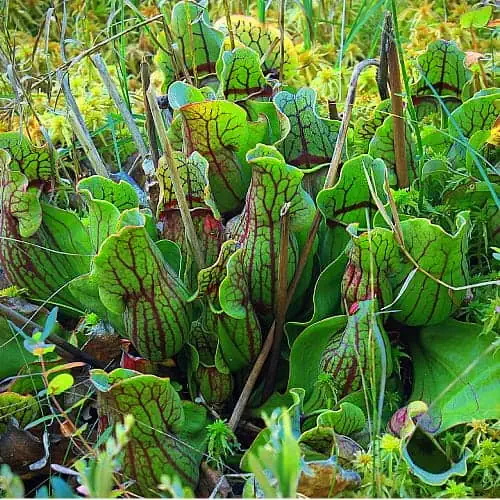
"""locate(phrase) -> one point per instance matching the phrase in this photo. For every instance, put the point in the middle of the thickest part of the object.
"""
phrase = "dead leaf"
(325, 479)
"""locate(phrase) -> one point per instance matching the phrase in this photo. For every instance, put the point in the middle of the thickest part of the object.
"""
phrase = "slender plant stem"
(176, 180)
(282, 39)
(227, 12)
(191, 42)
(281, 302)
(25, 323)
(261, 7)
(252, 379)
(120, 104)
(80, 129)
(150, 124)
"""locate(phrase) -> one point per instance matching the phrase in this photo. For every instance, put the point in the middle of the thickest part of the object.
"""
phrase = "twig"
(80, 128)
(330, 179)
(150, 124)
(397, 108)
(176, 180)
(120, 104)
(23, 322)
(281, 296)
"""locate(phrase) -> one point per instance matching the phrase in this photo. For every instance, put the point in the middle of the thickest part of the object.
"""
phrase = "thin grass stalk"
(122, 57)
(281, 295)
(261, 8)
(227, 12)
(309, 17)
(191, 42)
(80, 129)
(120, 104)
(282, 39)
(176, 180)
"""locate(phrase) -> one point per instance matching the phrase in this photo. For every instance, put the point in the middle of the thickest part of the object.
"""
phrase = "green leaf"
(85, 289)
(46, 253)
(34, 163)
(456, 373)
(209, 375)
(443, 66)
(349, 201)
(435, 140)
(348, 355)
(240, 75)
(198, 52)
(294, 412)
(264, 40)
(375, 249)
(12, 351)
(480, 147)
(478, 113)
(435, 174)
(120, 194)
(60, 384)
(181, 93)
(134, 281)
(311, 140)
(193, 172)
(278, 123)
(326, 297)
(382, 146)
(421, 300)
(338, 346)
(168, 436)
(257, 231)
(239, 338)
(365, 128)
(476, 18)
(306, 352)
(219, 131)
(24, 409)
(104, 381)
(347, 420)
(19, 201)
